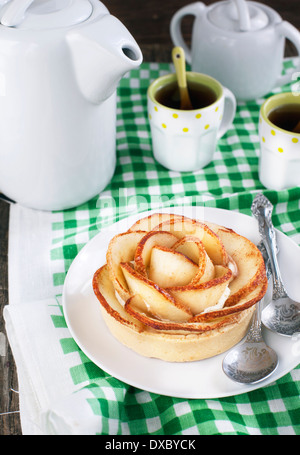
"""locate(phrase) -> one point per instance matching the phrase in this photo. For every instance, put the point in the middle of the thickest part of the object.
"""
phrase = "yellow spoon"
(178, 58)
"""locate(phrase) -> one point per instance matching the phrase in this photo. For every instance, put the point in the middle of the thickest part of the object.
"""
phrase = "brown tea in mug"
(201, 96)
(286, 117)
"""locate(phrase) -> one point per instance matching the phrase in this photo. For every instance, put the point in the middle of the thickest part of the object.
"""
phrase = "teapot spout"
(102, 51)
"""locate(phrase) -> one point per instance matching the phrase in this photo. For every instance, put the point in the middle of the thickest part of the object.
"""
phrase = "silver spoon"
(252, 360)
(282, 315)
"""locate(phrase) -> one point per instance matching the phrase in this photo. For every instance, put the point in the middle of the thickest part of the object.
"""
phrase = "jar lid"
(238, 16)
(44, 14)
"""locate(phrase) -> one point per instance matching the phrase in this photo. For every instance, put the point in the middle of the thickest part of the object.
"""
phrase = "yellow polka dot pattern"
(295, 140)
(175, 115)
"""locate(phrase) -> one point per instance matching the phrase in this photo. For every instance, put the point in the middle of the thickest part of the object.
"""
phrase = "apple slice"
(145, 245)
(249, 262)
(170, 268)
(159, 302)
(105, 293)
(122, 248)
(137, 309)
(243, 304)
(183, 226)
(149, 222)
(191, 247)
(198, 297)
(194, 249)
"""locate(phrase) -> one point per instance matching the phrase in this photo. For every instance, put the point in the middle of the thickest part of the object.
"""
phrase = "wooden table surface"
(148, 21)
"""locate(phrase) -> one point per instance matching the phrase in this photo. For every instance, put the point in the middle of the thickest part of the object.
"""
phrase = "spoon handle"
(179, 64)
(262, 210)
(254, 335)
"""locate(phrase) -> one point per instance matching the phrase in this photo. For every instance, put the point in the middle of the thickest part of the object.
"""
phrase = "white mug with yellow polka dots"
(279, 160)
(185, 140)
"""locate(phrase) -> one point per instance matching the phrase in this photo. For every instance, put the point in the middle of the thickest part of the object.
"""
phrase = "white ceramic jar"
(238, 42)
(60, 64)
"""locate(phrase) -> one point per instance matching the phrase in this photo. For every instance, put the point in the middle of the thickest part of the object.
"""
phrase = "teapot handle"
(194, 9)
(290, 32)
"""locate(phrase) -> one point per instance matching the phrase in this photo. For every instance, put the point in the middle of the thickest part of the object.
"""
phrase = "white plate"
(201, 379)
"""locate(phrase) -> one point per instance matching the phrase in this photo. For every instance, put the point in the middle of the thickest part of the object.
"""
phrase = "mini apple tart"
(178, 289)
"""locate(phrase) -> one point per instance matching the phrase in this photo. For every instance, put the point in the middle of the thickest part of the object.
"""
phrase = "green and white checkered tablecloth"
(140, 183)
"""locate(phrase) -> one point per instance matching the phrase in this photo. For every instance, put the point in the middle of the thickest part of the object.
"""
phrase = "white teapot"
(60, 64)
(238, 42)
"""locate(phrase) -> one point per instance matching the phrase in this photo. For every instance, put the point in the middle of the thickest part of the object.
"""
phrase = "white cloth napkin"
(50, 403)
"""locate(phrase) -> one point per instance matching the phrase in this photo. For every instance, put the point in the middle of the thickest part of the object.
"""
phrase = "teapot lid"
(44, 14)
(238, 16)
